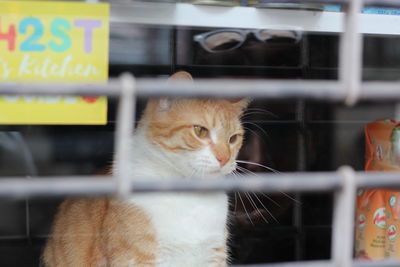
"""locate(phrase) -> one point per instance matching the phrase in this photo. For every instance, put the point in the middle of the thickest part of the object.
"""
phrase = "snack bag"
(361, 221)
(371, 225)
(382, 146)
(392, 248)
(376, 237)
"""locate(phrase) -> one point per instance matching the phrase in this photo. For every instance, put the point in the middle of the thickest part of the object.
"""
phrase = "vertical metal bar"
(300, 118)
(350, 67)
(350, 75)
(301, 154)
(28, 219)
(343, 219)
(350, 72)
(173, 49)
(31, 172)
(301, 166)
(28, 222)
(123, 136)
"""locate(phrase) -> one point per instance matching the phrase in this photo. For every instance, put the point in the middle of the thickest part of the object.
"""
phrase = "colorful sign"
(53, 42)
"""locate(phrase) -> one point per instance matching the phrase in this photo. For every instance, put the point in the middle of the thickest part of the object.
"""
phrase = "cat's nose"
(222, 159)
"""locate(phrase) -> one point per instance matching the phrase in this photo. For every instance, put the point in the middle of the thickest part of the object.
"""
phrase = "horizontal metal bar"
(378, 179)
(292, 264)
(57, 186)
(271, 229)
(375, 90)
(112, 88)
(331, 2)
(265, 182)
(244, 88)
(379, 263)
(272, 89)
(326, 263)
(83, 185)
(201, 88)
(377, 3)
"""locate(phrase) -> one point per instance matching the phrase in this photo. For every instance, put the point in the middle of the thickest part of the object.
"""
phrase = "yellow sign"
(53, 42)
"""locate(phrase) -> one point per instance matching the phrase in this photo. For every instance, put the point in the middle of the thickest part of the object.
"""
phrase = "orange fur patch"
(100, 232)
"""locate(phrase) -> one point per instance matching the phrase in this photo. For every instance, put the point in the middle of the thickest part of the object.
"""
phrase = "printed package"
(392, 247)
(378, 210)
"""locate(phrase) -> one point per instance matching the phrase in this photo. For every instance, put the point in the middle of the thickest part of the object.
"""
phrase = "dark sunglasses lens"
(277, 35)
(223, 41)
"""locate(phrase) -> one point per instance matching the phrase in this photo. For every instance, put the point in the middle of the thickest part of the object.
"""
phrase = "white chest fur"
(188, 226)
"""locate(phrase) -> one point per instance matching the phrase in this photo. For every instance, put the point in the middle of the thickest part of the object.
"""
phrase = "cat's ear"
(164, 104)
(159, 107)
(181, 76)
(240, 103)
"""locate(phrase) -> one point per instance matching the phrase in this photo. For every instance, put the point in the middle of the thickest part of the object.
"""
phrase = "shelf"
(181, 14)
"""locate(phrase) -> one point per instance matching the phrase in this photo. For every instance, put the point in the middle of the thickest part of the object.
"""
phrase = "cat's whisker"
(252, 131)
(235, 203)
(254, 205)
(260, 111)
(270, 199)
(259, 200)
(193, 174)
(203, 172)
(265, 208)
(247, 114)
(245, 170)
(263, 194)
(257, 164)
(248, 216)
(235, 174)
(258, 127)
(270, 169)
(291, 198)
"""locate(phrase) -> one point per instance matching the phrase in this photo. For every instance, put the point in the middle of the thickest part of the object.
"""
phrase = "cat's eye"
(233, 138)
(200, 131)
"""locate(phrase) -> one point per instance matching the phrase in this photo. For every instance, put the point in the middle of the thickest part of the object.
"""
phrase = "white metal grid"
(344, 182)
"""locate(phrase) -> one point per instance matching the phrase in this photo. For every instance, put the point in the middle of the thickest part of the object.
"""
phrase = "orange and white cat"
(175, 139)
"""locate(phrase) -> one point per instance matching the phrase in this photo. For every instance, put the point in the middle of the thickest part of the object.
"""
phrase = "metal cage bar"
(20, 187)
(350, 55)
(327, 90)
(357, 263)
(125, 122)
(350, 62)
(344, 182)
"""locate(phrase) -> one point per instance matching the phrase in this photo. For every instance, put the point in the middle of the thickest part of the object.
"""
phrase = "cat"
(175, 139)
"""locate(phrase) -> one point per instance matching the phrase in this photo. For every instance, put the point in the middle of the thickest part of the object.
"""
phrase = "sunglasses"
(227, 39)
